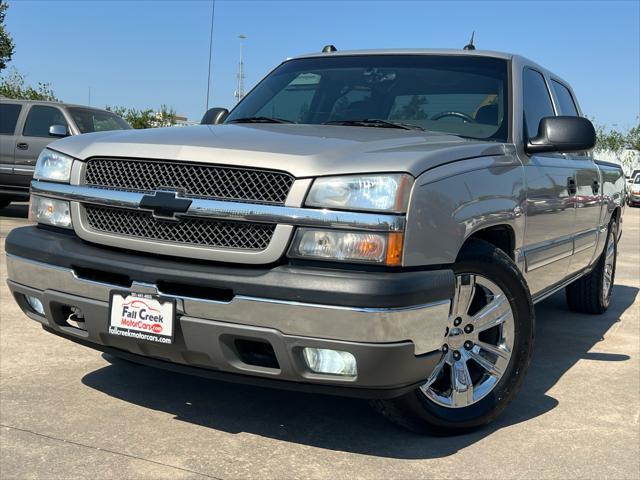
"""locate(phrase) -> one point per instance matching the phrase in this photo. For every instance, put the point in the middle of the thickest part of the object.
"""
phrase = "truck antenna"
(470, 45)
(329, 49)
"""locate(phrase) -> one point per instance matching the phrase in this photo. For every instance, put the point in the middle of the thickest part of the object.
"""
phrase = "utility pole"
(240, 90)
(213, 9)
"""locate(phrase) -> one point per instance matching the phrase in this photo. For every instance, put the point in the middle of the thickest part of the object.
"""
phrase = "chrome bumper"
(424, 325)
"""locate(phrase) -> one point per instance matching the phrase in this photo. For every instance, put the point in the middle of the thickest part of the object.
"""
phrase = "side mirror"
(563, 134)
(214, 116)
(58, 131)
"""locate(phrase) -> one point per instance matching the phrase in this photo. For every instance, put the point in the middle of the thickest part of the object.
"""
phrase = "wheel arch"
(502, 236)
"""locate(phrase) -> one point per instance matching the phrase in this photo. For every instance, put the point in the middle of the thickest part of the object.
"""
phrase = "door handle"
(22, 146)
(595, 187)
(571, 186)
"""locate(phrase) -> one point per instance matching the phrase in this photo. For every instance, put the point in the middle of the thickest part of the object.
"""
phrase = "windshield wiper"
(259, 120)
(374, 122)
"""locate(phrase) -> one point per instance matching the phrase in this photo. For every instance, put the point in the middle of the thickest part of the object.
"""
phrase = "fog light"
(334, 362)
(35, 304)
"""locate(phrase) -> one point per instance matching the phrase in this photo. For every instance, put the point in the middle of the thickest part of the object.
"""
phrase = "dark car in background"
(28, 126)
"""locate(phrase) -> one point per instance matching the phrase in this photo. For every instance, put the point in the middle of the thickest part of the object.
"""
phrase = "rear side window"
(537, 103)
(566, 105)
(39, 120)
(9, 113)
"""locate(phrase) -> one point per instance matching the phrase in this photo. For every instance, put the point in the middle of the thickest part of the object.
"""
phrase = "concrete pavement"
(70, 412)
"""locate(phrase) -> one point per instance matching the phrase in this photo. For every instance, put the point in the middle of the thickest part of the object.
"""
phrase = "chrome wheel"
(609, 267)
(477, 346)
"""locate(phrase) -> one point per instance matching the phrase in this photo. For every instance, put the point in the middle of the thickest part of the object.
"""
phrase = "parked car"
(28, 126)
(633, 197)
(368, 223)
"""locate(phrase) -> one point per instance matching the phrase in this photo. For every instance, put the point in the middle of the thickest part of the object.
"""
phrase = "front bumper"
(393, 323)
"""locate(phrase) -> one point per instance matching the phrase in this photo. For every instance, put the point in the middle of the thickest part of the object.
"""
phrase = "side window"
(39, 120)
(537, 103)
(9, 113)
(566, 105)
(293, 102)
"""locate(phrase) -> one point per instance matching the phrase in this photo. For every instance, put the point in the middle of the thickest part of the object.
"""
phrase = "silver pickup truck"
(368, 223)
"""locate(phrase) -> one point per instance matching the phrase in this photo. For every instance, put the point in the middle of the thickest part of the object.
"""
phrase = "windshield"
(91, 120)
(637, 180)
(462, 95)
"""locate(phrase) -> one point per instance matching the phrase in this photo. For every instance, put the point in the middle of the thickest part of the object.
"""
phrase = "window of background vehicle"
(537, 103)
(9, 113)
(566, 105)
(404, 88)
(90, 120)
(40, 118)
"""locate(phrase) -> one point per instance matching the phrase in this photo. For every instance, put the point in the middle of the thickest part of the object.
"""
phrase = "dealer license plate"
(142, 317)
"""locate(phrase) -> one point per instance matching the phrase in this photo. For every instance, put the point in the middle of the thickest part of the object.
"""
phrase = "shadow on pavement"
(15, 210)
(349, 425)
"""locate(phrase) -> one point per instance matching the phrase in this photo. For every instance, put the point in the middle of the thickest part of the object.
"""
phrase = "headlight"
(53, 166)
(382, 193)
(50, 211)
(382, 248)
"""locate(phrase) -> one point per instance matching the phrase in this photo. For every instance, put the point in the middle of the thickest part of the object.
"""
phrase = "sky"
(143, 54)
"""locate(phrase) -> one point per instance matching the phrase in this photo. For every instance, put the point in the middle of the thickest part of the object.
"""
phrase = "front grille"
(192, 180)
(187, 231)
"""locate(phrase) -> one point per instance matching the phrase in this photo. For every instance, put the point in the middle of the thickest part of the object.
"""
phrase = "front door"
(35, 136)
(551, 187)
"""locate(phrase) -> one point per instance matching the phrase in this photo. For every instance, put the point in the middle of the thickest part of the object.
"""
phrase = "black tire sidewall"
(606, 300)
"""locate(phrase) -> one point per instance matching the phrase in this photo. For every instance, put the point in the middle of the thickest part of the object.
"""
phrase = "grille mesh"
(190, 231)
(205, 181)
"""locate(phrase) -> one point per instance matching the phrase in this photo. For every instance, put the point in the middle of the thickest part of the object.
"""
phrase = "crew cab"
(28, 126)
(374, 223)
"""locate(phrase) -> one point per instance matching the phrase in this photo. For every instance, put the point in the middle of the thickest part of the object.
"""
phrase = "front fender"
(452, 202)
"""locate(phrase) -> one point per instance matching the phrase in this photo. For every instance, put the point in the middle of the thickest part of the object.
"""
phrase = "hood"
(302, 150)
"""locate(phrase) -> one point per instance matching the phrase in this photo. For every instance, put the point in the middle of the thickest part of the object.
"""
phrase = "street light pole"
(240, 90)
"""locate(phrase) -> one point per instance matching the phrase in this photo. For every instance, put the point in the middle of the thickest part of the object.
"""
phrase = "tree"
(13, 85)
(7, 46)
(623, 145)
(147, 118)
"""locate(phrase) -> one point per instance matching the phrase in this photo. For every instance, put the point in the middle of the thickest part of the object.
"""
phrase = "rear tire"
(592, 292)
(425, 409)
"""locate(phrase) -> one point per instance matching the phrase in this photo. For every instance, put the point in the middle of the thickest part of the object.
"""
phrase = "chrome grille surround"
(186, 231)
(192, 180)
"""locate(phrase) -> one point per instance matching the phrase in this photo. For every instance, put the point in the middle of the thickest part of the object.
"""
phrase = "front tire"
(486, 352)
(592, 292)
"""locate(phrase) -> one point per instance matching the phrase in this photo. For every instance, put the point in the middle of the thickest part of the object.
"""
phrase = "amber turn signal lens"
(395, 243)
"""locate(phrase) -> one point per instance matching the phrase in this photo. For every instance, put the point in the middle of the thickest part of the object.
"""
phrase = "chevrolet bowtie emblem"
(165, 204)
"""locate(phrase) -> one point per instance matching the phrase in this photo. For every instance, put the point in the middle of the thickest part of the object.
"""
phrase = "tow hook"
(76, 319)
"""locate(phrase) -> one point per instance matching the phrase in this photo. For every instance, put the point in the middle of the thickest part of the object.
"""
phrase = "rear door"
(35, 135)
(588, 198)
(550, 179)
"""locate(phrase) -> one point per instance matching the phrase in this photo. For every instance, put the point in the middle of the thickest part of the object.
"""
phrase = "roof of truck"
(413, 51)
(47, 102)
